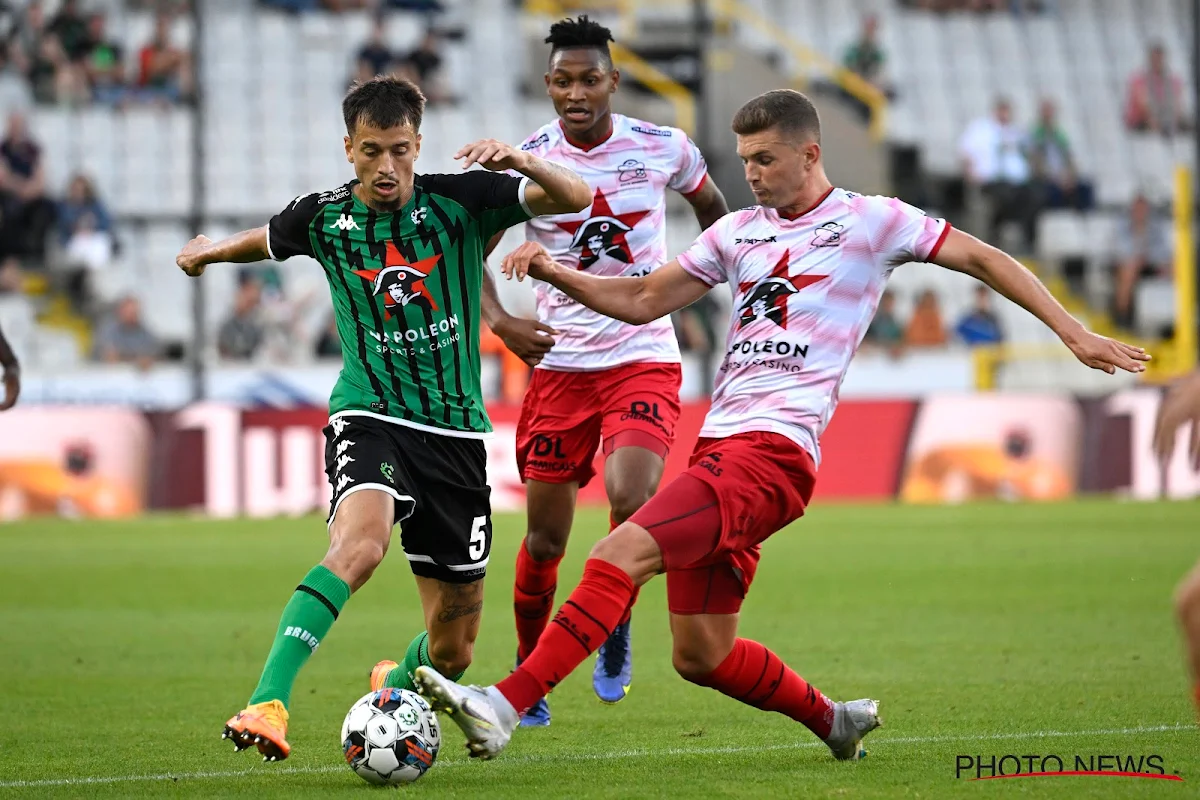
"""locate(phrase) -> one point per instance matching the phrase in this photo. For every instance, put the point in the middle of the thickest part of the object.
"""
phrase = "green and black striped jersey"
(406, 292)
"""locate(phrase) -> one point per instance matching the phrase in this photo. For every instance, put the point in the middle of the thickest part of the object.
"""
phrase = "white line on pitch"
(621, 754)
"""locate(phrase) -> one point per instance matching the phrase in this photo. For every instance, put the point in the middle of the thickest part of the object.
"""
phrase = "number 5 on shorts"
(478, 539)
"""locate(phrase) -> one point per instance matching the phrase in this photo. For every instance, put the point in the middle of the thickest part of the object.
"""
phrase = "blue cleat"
(538, 716)
(614, 667)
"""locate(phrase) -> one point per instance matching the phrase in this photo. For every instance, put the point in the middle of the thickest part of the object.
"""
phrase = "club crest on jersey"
(828, 235)
(768, 298)
(603, 233)
(401, 283)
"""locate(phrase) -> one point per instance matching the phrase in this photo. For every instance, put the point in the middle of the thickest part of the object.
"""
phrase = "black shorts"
(443, 502)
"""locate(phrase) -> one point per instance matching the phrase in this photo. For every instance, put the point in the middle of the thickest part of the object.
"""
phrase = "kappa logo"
(345, 223)
(534, 143)
(343, 482)
(418, 215)
(751, 240)
(653, 131)
(343, 446)
(343, 461)
(338, 426)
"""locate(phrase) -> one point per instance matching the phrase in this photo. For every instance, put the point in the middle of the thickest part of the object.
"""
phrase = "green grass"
(984, 630)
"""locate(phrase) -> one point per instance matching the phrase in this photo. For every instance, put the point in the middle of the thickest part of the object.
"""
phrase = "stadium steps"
(57, 314)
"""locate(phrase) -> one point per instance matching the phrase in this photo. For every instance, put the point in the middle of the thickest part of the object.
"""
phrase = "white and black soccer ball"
(391, 737)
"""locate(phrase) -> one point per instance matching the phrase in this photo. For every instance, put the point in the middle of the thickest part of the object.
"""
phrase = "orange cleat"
(379, 674)
(263, 725)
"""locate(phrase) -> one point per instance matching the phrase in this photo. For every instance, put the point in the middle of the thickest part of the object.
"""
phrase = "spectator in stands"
(124, 339)
(1154, 101)
(104, 64)
(85, 236)
(375, 57)
(925, 328)
(165, 70)
(81, 200)
(1054, 166)
(864, 57)
(994, 152)
(54, 77)
(885, 330)
(981, 325)
(71, 29)
(10, 275)
(1143, 248)
(241, 335)
(424, 66)
(15, 94)
(27, 210)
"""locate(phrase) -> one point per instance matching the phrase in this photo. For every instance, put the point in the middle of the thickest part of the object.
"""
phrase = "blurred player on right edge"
(807, 267)
(1180, 408)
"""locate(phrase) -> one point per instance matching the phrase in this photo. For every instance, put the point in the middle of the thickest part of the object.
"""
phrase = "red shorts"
(760, 482)
(565, 415)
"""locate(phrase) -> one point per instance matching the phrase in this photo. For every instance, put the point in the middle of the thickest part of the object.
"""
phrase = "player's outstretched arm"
(1180, 407)
(964, 253)
(12, 374)
(633, 300)
(554, 189)
(241, 248)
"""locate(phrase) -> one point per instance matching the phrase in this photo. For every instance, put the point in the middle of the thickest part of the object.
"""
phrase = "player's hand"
(528, 339)
(492, 154)
(530, 259)
(12, 388)
(1109, 355)
(191, 257)
(1180, 407)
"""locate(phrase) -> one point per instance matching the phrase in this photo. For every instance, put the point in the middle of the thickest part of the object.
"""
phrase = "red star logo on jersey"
(603, 233)
(399, 282)
(767, 298)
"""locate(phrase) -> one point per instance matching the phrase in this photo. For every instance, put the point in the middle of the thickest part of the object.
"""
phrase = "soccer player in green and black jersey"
(403, 254)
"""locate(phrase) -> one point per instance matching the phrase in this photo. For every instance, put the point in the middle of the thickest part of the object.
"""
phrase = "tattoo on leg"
(460, 600)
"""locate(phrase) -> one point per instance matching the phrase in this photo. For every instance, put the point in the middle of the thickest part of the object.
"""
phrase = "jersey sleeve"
(494, 199)
(288, 231)
(691, 171)
(901, 233)
(707, 259)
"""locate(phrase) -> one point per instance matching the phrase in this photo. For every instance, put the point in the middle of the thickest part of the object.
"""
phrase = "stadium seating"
(272, 126)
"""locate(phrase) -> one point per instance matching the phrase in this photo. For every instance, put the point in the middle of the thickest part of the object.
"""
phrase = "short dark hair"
(786, 109)
(385, 102)
(580, 32)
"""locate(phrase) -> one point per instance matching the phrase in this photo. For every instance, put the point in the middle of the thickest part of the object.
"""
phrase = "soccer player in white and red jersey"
(604, 379)
(1180, 409)
(806, 268)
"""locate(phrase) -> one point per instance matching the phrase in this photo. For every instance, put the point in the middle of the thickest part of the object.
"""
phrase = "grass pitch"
(984, 630)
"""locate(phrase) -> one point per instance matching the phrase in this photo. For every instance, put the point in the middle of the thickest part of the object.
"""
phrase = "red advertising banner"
(224, 461)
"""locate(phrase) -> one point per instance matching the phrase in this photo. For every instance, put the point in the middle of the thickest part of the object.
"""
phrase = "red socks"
(754, 675)
(578, 629)
(533, 598)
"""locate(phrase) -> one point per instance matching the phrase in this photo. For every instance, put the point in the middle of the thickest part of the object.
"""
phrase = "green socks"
(306, 619)
(417, 655)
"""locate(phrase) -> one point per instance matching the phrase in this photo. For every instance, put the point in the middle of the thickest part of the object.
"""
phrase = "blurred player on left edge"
(1181, 409)
(12, 374)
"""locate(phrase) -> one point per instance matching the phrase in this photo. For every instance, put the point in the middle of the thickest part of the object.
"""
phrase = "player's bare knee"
(451, 657)
(354, 554)
(694, 663)
(545, 544)
(1187, 597)
(631, 549)
(626, 498)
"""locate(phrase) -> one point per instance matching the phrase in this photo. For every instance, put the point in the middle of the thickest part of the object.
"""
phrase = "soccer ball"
(391, 737)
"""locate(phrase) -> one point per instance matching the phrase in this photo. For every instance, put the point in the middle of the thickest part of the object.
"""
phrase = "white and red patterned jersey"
(804, 292)
(621, 233)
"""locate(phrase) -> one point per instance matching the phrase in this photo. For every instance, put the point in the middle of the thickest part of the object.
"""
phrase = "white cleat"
(851, 722)
(484, 715)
